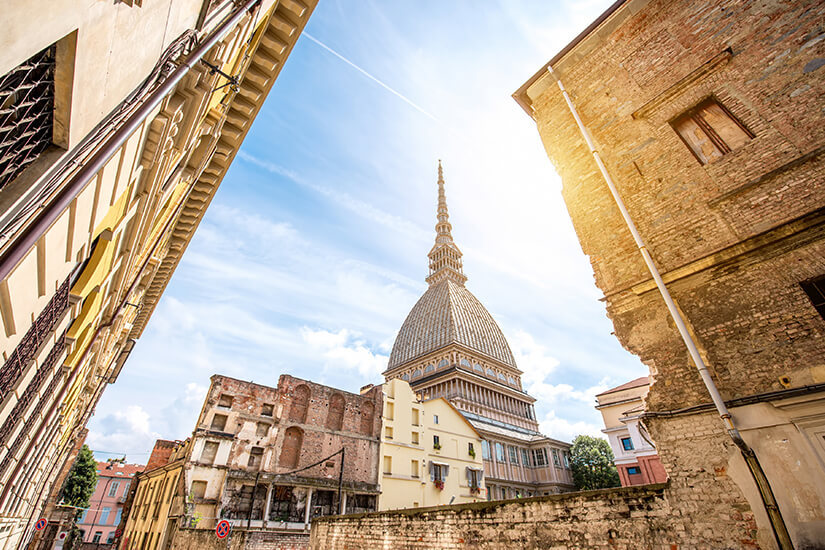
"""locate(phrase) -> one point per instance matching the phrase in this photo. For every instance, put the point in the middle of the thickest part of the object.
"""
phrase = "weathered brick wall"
(748, 312)
(634, 518)
(203, 539)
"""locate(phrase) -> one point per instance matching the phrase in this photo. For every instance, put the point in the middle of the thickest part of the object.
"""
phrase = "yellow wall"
(400, 488)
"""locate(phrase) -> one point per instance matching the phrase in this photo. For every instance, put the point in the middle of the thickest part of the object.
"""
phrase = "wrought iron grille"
(24, 353)
(48, 394)
(26, 113)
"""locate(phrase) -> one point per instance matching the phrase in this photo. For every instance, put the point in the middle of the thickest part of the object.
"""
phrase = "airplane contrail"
(368, 75)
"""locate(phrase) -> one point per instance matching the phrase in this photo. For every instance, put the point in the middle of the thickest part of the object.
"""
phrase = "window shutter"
(469, 473)
(445, 471)
(432, 471)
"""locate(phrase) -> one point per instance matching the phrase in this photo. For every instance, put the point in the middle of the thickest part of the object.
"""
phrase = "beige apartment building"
(450, 346)
(118, 121)
(430, 453)
(634, 451)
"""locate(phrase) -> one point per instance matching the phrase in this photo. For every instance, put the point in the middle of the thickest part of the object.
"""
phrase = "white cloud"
(125, 431)
(343, 349)
(566, 430)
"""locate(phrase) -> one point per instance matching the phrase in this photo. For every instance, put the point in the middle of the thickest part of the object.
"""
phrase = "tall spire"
(445, 257)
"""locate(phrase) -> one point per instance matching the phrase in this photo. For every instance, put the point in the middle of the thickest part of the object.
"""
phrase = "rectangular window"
(110, 538)
(474, 479)
(389, 411)
(267, 409)
(26, 113)
(414, 438)
(435, 419)
(388, 432)
(83, 516)
(485, 450)
(633, 471)
(413, 468)
(513, 454)
(225, 401)
(96, 538)
(710, 131)
(470, 449)
(210, 450)
(126, 488)
(261, 429)
(627, 443)
(815, 289)
(436, 442)
(439, 472)
(256, 455)
(415, 417)
(113, 489)
(387, 465)
(525, 457)
(566, 456)
(117, 516)
(104, 516)
(500, 453)
(219, 422)
(556, 462)
(540, 457)
(198, 489)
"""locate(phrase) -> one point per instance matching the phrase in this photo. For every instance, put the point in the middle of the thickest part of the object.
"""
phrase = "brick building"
(266, 459)
(708, 116)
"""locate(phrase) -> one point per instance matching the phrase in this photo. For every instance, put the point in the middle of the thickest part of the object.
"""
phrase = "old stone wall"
(203, 539)
(637, 518)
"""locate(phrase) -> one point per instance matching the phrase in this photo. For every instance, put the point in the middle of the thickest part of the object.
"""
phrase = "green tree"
(591, 460)
(81, 481)
(79, 486)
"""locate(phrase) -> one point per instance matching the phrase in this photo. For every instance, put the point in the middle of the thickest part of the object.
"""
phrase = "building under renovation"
(268, 460)
(118, 121)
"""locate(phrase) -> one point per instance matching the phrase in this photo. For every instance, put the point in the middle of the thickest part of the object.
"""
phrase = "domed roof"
(449, 313)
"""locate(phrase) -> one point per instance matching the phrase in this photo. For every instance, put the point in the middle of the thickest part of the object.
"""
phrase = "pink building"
(98, 523)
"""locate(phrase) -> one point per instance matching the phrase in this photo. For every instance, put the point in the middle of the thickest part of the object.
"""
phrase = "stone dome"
(446, 314)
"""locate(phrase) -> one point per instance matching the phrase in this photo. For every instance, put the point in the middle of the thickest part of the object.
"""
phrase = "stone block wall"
(203, 539)
(643, 517)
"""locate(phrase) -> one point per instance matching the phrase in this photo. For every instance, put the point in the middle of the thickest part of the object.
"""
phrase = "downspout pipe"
(20, 246)
(771, 507)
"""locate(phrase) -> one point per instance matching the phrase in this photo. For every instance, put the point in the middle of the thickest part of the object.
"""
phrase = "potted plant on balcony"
(437, 446)
(439, 484)
(472, 452)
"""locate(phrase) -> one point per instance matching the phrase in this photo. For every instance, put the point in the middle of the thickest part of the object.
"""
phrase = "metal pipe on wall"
(766, 493)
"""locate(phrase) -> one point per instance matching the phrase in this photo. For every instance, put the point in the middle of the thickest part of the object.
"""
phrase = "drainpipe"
(20, 247)
(783, 538)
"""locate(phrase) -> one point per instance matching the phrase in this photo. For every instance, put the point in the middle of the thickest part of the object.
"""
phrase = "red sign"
(41, 523)
(223, 529)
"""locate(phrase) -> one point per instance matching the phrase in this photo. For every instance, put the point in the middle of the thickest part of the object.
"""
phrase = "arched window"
(465, 362)
(416, 373)
(443, 363)
(291, 447)
(300, 404)
(367, 416)
(429, 368)
(405, 377)
(502, 377)
(491, 373)
(478, 368)
(335, 416)
(512, 381)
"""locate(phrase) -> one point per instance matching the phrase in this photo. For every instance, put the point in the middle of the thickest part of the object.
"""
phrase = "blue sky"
(314, 249)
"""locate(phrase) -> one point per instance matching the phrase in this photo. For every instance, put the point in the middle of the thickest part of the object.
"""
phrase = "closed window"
(710, 131)
(474, 479)
(439, 472)
(389, 411)
(104, 516)
(540, 457)
(118, 515)
(256, 455)
(219, 422)
(566, 456)
(198, 489)
(405, 377)
(429, 368)
(210, 450)
(513, 454)
(435, 419)
(633, 471)
(465, 363)
(413, 468)
(388, 465)
(485, 450)
(556, 461)
(414, 438)
(415, 417)
(815, 289)
(443, 363)
(416, 373)
(500, 452)
(388, 431)
(627, 443)
(113, 489)
(525, 457)
(436, 442)
(96, 538)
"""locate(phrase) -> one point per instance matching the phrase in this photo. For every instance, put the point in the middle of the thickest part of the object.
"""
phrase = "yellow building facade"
(430, 453)
(120, 120)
